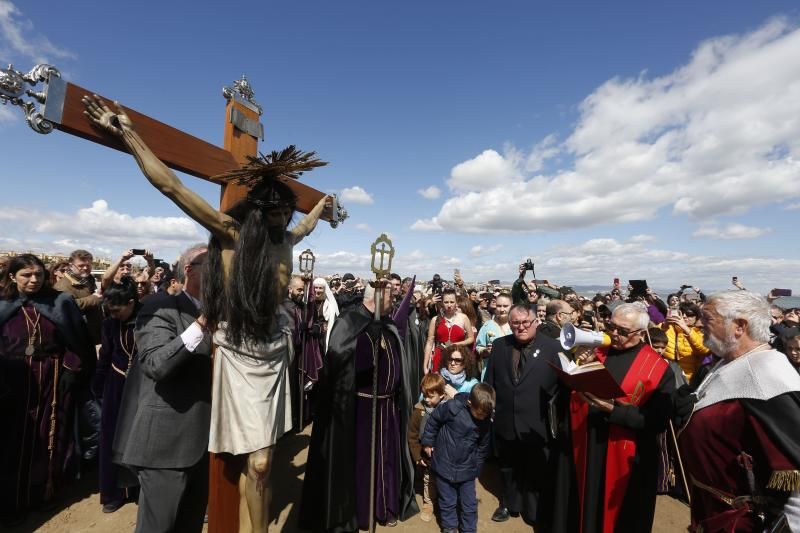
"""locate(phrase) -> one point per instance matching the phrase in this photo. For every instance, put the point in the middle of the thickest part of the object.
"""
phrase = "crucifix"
(158, 148)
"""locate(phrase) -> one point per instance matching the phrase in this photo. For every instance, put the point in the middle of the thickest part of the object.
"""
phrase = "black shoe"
(112, 507)
(449, 530)
(501, 515)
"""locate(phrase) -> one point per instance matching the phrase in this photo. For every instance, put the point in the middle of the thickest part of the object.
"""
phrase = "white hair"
(747, 305)
(636, 311)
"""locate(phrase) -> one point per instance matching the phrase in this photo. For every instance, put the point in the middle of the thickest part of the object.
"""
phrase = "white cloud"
(642, 238)
(717, 135)
(430, 224)
(18, 38)
(480, 251)
(363, 227)
(791, 207)
(486, 171)
(730, 232)
(356, 195)
(99, 229)
(430, 193)
(7, 114)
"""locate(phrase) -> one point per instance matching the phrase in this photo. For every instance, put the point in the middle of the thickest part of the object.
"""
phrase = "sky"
(637, 140)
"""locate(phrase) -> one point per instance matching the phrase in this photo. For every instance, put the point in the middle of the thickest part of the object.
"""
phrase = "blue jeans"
(449, 496)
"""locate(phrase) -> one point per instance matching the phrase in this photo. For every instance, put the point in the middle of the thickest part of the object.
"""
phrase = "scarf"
(88, 281)
(456, 380)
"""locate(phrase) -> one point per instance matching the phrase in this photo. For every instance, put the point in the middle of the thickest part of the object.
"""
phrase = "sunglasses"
(456, 361)
(622, 331)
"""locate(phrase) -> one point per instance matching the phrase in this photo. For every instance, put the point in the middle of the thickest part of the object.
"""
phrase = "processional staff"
(306, 267)
(381, 266)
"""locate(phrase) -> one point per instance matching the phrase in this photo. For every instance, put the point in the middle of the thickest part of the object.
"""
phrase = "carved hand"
(102, 116)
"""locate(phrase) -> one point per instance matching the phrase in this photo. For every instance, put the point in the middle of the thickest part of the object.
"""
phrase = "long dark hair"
(17, 263)
(250, 298)
(121, 293)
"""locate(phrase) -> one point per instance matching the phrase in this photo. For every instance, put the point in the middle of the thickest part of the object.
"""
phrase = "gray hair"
(636, 311)
(747, 305)
(186, 257)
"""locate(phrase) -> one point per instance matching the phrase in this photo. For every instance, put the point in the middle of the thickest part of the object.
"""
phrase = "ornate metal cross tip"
(13, 90)
(338, 212)
(243, 92)
(382, 256)
(306, 263)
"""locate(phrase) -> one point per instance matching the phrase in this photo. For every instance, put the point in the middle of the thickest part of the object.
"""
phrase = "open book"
(593, 378)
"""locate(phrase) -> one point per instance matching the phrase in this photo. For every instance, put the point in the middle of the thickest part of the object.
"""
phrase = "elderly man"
(610, 467)
(741, 447)
(336, 485)
(163, 425)
(524, 382)
(558, 313)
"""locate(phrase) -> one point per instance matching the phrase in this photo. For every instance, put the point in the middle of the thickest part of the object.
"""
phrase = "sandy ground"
(79, 510)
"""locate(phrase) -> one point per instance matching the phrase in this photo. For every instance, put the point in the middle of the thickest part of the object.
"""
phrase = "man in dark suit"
(163, 427)
(524, 384)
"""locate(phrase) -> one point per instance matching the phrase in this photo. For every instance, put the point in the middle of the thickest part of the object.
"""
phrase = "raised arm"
(309, 222)
(111, 272)
(120, 125)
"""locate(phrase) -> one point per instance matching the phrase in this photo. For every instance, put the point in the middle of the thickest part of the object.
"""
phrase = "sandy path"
(80, 511)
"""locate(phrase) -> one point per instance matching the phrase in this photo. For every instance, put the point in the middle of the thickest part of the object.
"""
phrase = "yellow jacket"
(687, 350)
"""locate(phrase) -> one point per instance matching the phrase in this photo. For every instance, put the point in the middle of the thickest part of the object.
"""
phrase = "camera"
(684, 287)
(529, 265)
(436, 284)
(138, 251)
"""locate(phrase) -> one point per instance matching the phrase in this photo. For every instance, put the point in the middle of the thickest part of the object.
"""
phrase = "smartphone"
(616, 282)
(639, 287)
(734, 279)
(456, 273)
(138, 251)
(781, 292)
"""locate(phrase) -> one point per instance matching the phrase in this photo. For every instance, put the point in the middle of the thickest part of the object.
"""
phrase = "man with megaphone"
(607, 472)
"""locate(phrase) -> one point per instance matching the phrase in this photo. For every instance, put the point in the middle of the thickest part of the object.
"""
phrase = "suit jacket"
(521, 409)
(165, 413)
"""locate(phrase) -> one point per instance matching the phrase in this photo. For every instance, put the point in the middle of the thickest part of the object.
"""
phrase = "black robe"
(329, 491)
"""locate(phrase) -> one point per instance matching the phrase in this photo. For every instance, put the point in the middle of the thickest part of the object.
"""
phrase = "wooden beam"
(178, 150)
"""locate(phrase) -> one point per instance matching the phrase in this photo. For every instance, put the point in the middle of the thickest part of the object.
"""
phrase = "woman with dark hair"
(449, 327)
(685, 338)
(459, 370)
(57, 271)
(44, 350)
(117, 353)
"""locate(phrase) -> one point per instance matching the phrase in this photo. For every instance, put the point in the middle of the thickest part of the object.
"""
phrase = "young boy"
(457, 438)
(433, 386)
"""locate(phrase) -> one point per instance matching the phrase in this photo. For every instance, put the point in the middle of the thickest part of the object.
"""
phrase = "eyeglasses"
(456, 361)
(622, 331)
(525, 324)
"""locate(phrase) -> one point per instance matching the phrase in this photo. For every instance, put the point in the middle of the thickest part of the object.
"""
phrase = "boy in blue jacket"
(457, 438)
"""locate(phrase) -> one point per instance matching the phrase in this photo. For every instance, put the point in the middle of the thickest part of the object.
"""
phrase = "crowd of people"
(407, 384)
(464, 375)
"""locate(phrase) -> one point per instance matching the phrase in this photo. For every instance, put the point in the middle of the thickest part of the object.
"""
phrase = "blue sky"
(601, 139)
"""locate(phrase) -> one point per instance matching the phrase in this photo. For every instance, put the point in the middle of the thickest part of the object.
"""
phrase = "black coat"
(460, 442)
(521, 409)
(329, 486)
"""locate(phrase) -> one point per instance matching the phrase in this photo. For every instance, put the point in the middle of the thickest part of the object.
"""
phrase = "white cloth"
(251, 401)
(192, 336)
(330, 309)
(758, 375)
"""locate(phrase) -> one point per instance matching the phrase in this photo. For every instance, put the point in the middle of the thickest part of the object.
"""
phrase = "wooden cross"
(62, 109)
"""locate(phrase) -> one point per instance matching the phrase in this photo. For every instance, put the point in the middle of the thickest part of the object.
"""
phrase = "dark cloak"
(329, 491)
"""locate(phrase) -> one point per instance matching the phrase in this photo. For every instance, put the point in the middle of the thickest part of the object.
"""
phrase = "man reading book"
(610, 468)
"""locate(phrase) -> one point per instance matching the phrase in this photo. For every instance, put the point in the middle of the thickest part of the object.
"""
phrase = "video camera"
(436, 285)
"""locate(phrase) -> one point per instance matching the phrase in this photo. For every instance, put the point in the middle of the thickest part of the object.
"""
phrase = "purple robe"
(27, 396)
(387, 445)
(108, 384)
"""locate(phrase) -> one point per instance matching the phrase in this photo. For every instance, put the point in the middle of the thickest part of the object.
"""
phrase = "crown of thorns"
(260, 172)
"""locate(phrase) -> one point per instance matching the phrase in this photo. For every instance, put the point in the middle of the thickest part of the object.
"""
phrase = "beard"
(721, 347)
(277, 234)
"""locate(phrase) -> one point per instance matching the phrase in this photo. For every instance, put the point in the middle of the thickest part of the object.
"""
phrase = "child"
(457, 438)
(432, 394)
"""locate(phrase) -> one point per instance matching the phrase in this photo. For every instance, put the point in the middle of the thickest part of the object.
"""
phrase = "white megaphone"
(572, 336)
